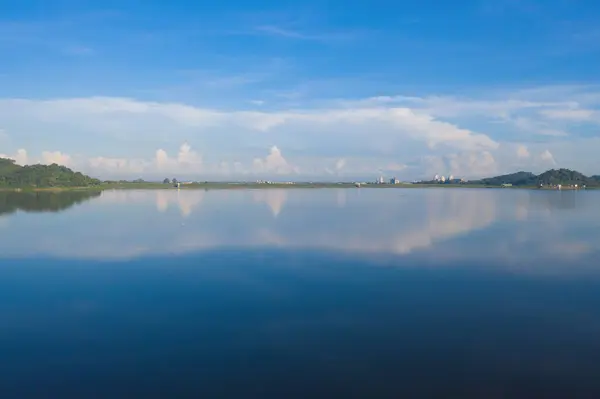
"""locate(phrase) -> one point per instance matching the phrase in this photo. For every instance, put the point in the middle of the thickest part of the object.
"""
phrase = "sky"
(319, 90)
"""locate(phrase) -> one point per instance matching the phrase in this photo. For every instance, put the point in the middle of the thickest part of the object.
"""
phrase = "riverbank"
(265, 186)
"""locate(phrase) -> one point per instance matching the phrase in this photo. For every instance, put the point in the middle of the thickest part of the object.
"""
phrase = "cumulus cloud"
(464, 164)
(20, 157)
(522, 151)
(186, 159)
(117, 166)
(57, 157)
(274, 163)
(380, 131)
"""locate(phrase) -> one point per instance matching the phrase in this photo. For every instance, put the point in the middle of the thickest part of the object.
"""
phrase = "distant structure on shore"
(381, 180)
(447, 180)
(274, 182)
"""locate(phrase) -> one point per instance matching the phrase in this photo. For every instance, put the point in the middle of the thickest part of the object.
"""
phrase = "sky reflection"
(509, 225)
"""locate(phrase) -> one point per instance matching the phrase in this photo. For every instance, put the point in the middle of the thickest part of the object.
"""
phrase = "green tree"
(13, 175)
(166, 181)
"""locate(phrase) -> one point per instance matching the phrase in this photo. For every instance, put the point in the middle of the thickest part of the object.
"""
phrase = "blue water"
(374, 293)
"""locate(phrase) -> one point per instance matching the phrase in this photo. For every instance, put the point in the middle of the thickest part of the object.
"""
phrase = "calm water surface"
(300, 293)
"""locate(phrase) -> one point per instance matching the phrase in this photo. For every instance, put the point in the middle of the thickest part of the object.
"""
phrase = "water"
(300, 293)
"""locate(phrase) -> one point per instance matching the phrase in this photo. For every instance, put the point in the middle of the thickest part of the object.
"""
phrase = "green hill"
(516, 179)
(41, 176)
(551, 177)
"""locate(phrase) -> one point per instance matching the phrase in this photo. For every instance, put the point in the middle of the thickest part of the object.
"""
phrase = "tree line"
(41, 176)
(548, 178)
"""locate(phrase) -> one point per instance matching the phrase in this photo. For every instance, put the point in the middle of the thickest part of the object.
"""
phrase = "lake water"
(372, 293)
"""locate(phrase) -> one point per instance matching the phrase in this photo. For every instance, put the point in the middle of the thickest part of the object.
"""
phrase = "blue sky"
(288, 90)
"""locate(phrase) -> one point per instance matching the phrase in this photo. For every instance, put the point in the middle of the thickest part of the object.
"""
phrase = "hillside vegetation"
(550, 177)
(41, 176)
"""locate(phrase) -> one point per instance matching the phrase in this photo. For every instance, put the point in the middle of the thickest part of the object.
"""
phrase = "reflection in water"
(224, 300)
(274, 198)
(186, 200)
(42, 201)
(448, 216)
(508, 225)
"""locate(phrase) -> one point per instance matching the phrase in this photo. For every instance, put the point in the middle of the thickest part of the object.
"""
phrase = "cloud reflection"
(511, 225)
(185, 200)
(274, 198)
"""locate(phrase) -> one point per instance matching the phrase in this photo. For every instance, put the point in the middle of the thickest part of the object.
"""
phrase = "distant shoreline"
(265, 186)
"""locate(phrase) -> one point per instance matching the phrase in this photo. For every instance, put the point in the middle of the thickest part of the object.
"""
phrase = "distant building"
(394, 180)
(443, 179)
(380, 180)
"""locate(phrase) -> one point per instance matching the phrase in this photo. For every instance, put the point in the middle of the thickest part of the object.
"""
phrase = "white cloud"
(522, 151)
(123, 118)
(339, 164)
(571, 114)
(547, 156)
(186, 159)
(20, 157)
(319, 137)
(465, 164)
(528, 111)
(116, 166)
(538, 127)
(274, 163)
(57, 157)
